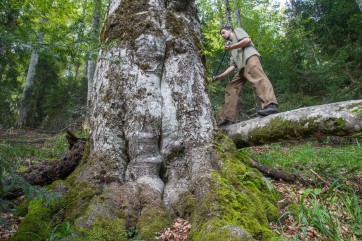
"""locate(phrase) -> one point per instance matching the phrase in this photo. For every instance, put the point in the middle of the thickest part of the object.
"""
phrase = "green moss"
(240, 198)
(357, 107)
(174, 24)
(217, 229)
(22, 169)
(186, 204)
(36, 224)
(77, 199)
(279, 128)
(129, 21)
(152, 221)
(104, 229)
(22, 209)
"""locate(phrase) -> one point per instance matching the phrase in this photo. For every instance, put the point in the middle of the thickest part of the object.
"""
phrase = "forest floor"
(331, 210)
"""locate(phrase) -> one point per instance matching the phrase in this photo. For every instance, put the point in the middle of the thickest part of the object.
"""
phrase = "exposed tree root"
(278, 174)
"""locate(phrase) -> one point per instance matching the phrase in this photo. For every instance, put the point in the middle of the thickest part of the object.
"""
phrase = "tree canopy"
(311, 52)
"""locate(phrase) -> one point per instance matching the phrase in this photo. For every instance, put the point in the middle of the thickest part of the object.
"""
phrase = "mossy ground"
(240, 198)
(37, 224)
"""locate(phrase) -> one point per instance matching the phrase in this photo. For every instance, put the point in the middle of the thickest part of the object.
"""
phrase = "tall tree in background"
(23, 109)
(237, 14)
(228, 13)
(9, 58)
(359, 3)
(57, 35)
(94, 34)
(326, 43)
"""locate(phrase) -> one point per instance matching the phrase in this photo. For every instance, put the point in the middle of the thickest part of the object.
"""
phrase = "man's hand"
(228, 47)
(214, 78)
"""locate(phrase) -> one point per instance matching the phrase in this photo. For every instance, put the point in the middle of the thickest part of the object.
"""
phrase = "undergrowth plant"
(336, 215)
(329, 161)
(333, 211)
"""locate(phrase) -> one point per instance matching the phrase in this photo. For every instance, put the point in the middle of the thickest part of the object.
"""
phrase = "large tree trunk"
(150, 115)
(152, 154)
(337, 119)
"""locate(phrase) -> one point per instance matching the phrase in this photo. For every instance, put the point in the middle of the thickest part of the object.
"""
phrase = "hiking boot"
(225, 123)
(269, 109)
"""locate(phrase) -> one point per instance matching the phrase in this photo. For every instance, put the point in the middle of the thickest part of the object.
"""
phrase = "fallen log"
(46, 172)
(337, 119)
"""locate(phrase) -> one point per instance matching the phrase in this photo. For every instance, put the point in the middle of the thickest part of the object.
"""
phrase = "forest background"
(311, 52)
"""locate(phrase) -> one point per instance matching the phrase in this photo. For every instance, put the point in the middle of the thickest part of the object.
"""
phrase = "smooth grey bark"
(91, 65)
(29, 82)
(359, 3)
(336, 119)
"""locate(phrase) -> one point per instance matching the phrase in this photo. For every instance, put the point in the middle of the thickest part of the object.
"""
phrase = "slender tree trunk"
(228, 13)
(23, 108)
(94, 38)
(238, 16)
(29, 82)
(359, 3)
(69, 72)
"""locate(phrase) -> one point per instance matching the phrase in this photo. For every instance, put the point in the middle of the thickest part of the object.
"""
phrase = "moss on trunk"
(240, 205)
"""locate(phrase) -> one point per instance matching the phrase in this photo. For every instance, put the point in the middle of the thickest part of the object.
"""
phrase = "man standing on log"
(246, 58)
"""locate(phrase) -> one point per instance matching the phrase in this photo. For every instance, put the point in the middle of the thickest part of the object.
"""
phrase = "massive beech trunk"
(337, 119)
(150, 109)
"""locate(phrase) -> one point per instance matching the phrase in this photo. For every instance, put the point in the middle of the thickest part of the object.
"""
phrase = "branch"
(279, 174)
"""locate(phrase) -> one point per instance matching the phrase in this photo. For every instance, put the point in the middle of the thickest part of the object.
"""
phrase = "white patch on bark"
(113, 6)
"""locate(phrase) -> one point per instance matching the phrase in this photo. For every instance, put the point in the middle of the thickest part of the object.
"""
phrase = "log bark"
(336, 119)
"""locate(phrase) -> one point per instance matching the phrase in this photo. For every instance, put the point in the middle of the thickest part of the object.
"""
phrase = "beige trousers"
(254, 73)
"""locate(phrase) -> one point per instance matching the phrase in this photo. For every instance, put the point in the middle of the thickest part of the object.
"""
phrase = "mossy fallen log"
(336, 119)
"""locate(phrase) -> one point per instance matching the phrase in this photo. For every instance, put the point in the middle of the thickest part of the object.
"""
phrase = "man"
(246, 58)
